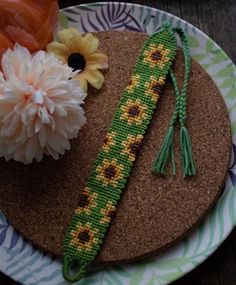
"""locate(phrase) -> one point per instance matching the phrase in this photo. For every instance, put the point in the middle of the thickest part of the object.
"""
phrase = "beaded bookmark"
(112, 167)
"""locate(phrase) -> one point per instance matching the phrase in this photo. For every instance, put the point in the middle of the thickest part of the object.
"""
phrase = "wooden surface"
(217, 19)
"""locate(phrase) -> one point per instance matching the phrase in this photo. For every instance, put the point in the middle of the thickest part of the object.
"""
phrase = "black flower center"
(76, 61)
(83, 200)
(110, 172)
(156, 55)
(133, 111)
(157, 88)
(135, 147)
(84, 236)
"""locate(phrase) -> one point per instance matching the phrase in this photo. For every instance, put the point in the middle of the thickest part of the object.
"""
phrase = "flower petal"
(31, 149)
(70, 38)
(97, 60)
(82, 81)
(60, 50)
(94, 77)
(90, 44)
(40, 106)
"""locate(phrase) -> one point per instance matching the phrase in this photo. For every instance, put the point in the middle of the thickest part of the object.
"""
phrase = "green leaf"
(171, 276)
(233, 127)
(232, 108)
(137, 277)
(219, 58)
(173, 263)
(122, 271)
(226, 71)
(231, 94)
(209, 45)
(192, 41)
(228, 82)
(206, 65)
(113, 277)
(199, 57)
(63, 20)
(152, 281)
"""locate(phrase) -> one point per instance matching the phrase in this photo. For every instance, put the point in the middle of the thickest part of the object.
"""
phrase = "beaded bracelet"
(97, 202)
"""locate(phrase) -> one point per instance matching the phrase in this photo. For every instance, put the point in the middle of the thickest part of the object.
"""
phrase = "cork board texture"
(154, 211)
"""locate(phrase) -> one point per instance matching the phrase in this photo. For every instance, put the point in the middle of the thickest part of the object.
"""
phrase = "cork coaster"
(155, 211)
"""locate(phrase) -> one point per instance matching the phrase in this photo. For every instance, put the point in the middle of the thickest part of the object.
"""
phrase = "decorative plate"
(27, 265)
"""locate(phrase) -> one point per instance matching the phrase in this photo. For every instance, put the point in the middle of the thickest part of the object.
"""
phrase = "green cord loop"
(66, 269)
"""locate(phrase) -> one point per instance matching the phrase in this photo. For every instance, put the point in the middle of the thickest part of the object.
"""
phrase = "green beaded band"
(97, 203)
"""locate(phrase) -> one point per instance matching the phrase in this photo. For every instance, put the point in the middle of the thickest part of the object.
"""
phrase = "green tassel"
(188, 164)
(167, 150)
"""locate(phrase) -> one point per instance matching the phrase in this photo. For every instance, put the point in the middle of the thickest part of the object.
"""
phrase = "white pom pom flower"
(40, 106)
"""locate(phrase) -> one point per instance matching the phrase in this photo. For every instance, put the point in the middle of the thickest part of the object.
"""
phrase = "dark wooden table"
(217, 19)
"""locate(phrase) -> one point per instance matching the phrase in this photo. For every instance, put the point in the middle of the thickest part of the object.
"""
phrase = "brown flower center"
(76, 61)
(106, 140)
(83, 200)
(110, 172)
(84, 236)
(135, 147)
(134, 111)
(156, 55)
(157, 88)
(130, 82)
(110, 214)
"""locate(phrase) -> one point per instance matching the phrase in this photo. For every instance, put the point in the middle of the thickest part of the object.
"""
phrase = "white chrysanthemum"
(40, 108)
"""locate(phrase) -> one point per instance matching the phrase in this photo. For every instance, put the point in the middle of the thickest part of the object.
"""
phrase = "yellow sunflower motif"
(84, 236)
(133, 83)
(110, 172)
(156, 55)
(154, 87)
(109, 141)
(107, 213)
(86, 201)
(134, 112)
(80, 53)
(132, 146)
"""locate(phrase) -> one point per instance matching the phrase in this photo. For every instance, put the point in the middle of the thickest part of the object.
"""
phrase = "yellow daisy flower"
(107, 213)
(154, 87)
(84, 237)
(110, 172)
(86, 201)
(132, 146)
(80, 53)
(156, 55)
(134, 112)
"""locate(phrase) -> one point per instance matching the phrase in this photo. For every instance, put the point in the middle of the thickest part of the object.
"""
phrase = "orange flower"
(30, 23)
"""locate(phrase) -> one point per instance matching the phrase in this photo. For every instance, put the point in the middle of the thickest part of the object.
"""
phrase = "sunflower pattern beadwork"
(134, 82)
(157, 55)
(134, 112)
(110, 172)
(132, 146)
(154, 87)
(83, 237)
(107, 213)
(109, 141)
(86, 201)
(118, 152)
